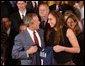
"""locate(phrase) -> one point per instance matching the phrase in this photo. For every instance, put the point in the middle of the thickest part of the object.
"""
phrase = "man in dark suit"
(27, 47)
(6, 40)
(17, 17)
(43, 14)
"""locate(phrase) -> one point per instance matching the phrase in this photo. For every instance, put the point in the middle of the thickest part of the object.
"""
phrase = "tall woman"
(62, 39)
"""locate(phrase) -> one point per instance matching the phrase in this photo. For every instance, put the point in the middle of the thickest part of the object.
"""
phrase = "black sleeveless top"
(60, 57)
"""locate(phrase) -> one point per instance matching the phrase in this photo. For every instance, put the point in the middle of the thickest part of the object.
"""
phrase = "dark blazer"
(6, 46)
(16, 22)
(22, 42)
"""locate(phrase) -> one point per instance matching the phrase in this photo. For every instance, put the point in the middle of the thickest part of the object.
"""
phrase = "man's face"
(35, 22)
(43, 11)
(6, 23)
(21, 5)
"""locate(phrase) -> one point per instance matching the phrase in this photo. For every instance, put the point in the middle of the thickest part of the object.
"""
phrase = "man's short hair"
(9, 20)
(23, 1)
(45, 4)
(27, 19)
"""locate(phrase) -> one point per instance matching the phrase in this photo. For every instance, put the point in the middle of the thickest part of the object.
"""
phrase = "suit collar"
(40, 32)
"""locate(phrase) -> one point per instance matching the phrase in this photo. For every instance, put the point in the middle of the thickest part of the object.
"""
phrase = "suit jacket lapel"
(41, 34)
(27, 39)
(18, 15)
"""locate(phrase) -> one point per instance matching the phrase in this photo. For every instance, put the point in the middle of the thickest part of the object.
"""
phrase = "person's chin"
(52, 26)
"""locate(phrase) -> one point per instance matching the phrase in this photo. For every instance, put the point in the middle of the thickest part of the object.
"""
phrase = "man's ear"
(31, 23)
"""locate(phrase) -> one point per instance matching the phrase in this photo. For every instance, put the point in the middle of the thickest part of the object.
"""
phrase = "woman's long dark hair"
(58, 26)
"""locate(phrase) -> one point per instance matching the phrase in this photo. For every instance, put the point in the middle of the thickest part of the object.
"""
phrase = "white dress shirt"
(8, 31)
(22, 13)
(32, 36)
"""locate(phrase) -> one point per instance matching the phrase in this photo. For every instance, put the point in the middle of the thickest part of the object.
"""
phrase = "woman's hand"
(58, 48)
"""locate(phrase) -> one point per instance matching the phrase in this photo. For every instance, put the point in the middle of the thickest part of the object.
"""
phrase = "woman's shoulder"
(69, 32)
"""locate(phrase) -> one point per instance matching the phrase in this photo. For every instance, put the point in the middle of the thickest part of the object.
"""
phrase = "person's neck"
(31, 28)
(6, 28)
(44, 19)
(22, 10)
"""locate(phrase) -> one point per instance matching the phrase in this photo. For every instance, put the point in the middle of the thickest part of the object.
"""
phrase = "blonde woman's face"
(71, 23)
(51, 20)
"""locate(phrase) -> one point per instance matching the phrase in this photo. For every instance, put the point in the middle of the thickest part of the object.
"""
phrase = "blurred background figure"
(22, 28)
(43, 14)
(55, 6)
(6, 8)
(32, 6)
(80, 6)
(7, 40)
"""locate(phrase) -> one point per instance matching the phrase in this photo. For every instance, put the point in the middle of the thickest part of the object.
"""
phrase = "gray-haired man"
(26, 47)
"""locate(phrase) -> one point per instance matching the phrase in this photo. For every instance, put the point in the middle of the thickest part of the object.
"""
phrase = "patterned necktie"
(36, 39)
(35, 57)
